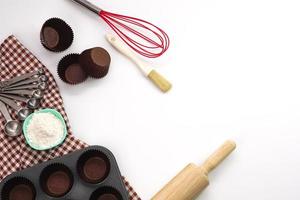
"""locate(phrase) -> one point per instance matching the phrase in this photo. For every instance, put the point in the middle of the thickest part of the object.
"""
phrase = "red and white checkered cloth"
(15, 155)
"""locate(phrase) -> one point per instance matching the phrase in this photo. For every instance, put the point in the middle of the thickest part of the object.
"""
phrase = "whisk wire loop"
(147, 47)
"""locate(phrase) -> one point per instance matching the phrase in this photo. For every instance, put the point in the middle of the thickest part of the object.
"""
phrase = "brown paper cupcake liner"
(95, 62)
(91, 162)
(56, 35)
(18, 188)
(56, 180)
(106, 192)
(69, 70)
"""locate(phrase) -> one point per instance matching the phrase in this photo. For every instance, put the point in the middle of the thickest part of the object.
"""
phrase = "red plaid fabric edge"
(15, 155)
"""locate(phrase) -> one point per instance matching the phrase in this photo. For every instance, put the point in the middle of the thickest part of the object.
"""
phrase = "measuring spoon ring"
(22, 112)
(12, 127)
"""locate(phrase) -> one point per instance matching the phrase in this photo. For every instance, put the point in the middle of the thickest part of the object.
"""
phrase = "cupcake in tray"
(88, 174)
(56, 180)
(18, 188)
(93, 166)
(106, 193)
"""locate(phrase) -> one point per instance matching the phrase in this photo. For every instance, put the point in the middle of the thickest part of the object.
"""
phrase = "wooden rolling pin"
(193, 179)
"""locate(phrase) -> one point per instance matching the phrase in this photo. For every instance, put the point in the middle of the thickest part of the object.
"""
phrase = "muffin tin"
(89, 174)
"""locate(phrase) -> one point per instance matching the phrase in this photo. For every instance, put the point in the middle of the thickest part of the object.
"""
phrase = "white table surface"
(235, 69)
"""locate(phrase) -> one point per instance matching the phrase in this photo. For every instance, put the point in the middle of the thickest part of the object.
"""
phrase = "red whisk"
(143, 37)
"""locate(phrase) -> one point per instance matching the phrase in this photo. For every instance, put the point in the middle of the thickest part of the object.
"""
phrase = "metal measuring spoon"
(22, 112)
(32, 103)
(41, 86)
(39, 79)
(38, 94)
(16, 79)
(12, 127)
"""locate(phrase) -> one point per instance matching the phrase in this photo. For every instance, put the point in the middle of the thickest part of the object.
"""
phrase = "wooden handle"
(192, 180)
(186, 185)
(162, 83)
(120, 46)
(218, 156)
(147, 70)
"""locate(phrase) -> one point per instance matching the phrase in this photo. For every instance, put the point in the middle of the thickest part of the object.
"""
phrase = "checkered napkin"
(15, 155)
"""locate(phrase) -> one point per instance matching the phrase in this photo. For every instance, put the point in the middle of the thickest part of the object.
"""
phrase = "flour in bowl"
(45, 130)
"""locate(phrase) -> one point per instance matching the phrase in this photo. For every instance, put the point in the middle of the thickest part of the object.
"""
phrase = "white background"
(235, 69)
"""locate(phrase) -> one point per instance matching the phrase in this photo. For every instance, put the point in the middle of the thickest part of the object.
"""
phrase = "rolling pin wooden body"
(193, 179)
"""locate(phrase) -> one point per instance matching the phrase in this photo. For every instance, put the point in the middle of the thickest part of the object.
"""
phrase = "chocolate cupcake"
(56, 35)
(70, 71)
(18, 188)
(93, 166)
(56, 180)
(95, 62)
(106, 193)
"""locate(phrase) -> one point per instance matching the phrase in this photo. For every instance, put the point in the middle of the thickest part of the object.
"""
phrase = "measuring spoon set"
(27, 88)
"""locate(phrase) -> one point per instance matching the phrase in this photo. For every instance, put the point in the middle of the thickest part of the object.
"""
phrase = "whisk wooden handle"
(119, 45)
(162, 83)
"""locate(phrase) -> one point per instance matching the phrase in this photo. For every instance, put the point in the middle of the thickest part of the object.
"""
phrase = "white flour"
(44, 130)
